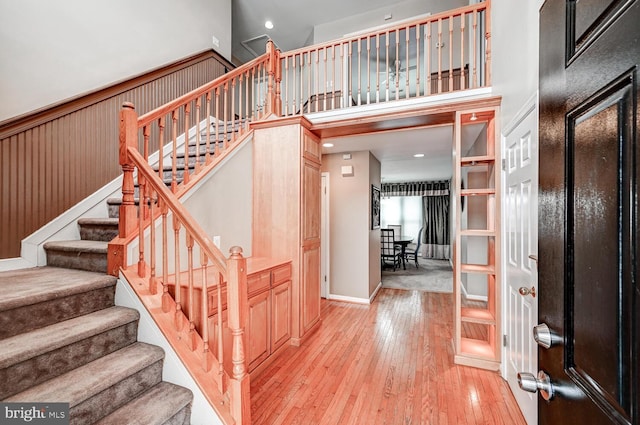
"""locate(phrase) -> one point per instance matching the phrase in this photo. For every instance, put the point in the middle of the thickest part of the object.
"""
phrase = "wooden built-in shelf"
(477, 268)
(476, 192)
(477, 187)
(478, 232)
(472, 161)
(477, 315)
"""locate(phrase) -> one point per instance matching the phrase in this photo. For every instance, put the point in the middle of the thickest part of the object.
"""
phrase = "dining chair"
(388, 249)
(412, 252)
(397, 229)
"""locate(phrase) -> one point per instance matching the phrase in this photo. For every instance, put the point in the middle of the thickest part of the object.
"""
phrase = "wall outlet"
(215, 41)
(216, 241)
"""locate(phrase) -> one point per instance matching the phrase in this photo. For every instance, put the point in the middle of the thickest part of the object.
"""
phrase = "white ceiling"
(294, 21)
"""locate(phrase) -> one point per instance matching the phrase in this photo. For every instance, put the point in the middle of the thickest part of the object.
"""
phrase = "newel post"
(273, 83)
(116, 254)
(238, 307)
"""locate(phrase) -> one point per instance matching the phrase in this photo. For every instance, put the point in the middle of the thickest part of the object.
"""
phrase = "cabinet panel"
(310, 286)
(280, 315)
(257, 331)
(312, 184)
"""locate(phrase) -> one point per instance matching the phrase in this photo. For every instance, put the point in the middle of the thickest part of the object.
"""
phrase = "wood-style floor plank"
(387, 363)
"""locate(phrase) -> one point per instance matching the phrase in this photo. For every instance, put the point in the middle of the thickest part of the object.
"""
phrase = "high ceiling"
(294, 22)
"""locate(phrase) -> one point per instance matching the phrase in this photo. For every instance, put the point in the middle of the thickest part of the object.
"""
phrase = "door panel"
(521, 181)
(588, 210)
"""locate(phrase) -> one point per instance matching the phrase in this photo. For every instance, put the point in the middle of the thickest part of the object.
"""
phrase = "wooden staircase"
(62, 339)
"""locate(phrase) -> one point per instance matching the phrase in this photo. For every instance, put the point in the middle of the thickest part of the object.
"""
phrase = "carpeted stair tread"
(97, 221)
(98, 229)
(95, 247)
(155, 407)
(34, 285)
(92, 378)
(28, 345)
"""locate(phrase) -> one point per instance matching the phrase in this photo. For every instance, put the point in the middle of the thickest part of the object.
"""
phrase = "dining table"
(403, 241)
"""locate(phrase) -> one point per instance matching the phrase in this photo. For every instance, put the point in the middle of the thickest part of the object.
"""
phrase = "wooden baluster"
(240, 119)
(207, 155)
(350, 62)
(225, 112)
(377, 68)
(344, 103)
(174, 162)
(326, 77)
(153, 289)
(161, 121)
(386, 98)
(397, 64)
(145, 142)
(475, 48)
(333, 77)
(439, 47)
(143, 198)
(217, 123)
(406, 83)
(450, 53)
(233, 110)
(220, 327)
(462, 70)
(197, 124)
(237, 308)
(301, 84)
(308, 82)
(317, 78)
(278, 95)
(187, 114)
(359, 72)
(487, 51)
(204, 316)
(246, 97)
(178, 296)
(368, 69)
(418, 89)
(166, 297)
(192, 339)
(128, 138)
(286, 86)
(427, 46)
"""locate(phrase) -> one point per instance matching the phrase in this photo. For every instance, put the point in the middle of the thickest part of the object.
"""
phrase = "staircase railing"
(220, 112)
(441, 53)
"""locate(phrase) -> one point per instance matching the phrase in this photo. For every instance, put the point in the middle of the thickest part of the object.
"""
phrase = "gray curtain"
(435, 213)
(435, 239)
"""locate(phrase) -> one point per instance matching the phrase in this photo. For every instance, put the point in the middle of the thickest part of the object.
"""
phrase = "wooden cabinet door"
(257, 331)
(280, 315)
(310, 286)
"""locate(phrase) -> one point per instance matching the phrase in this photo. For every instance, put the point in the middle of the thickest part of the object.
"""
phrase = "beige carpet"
(430, 276)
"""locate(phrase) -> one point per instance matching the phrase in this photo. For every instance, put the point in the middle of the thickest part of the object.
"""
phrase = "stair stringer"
(173, 370)
(64, 226)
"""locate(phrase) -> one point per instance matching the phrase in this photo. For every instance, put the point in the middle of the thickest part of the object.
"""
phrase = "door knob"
(542, 383)
(542, 335)
(526, 291)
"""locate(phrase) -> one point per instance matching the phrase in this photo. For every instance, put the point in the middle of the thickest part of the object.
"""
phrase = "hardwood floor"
(387, 363)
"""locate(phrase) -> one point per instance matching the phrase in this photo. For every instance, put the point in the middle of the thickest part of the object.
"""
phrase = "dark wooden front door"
(589, 210)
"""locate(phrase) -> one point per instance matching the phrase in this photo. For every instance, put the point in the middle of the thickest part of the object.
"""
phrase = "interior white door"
(521, 248)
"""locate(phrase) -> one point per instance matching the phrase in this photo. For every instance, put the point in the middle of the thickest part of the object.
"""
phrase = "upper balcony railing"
(442, 53)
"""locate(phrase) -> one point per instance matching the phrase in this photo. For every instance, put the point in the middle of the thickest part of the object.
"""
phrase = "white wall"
(54, 50)
(355, 248)
(514, 43)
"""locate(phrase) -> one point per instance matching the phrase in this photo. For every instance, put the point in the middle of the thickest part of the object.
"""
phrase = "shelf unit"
(477, 242)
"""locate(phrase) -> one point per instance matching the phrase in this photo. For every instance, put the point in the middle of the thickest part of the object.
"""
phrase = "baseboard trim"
(344, 298)
(375, 292)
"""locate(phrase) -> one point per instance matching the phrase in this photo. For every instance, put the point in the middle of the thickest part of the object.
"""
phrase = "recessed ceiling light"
(327, 145)
(418, 155)
(268, 25)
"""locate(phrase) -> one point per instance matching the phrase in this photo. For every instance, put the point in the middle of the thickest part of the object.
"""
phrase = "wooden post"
(116, 255)
(238, 306)
(278, 70)
(271, 75)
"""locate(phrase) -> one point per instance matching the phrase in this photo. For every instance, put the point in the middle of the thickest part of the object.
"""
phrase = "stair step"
(38, 297)
(36, 356)
(81, 255)
(98, 388)
(164, 404)
(113, 206)
(98, 229)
